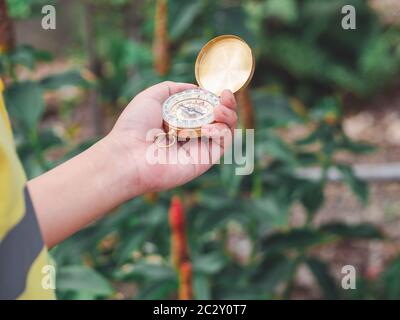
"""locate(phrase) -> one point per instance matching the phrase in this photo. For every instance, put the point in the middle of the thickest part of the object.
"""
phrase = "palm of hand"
(141, 120)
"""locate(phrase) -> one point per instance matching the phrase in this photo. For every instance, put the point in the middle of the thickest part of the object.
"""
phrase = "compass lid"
(225, 62)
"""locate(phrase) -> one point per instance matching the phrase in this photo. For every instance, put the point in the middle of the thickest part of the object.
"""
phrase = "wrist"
(117, 167)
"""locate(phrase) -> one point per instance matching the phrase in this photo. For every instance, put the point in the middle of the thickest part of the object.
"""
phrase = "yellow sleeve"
(3, 112)
(23, 256)
(12, 176)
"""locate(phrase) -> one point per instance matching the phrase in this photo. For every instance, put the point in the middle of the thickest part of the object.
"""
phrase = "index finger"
(163, 90)
(228, 99)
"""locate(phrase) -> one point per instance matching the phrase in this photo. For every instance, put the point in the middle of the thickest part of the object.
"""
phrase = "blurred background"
(325, 105)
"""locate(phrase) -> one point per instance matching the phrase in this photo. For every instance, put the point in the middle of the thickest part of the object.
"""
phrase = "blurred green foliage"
(27, 8)
(33, 141)
(302, 53)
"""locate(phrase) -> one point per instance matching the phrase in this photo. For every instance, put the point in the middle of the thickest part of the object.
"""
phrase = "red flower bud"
(179, 248)
(176, 214)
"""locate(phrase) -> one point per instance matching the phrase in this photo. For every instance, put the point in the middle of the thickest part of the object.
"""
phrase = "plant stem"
(246, 109)
(94, 65)
(290, 284)
(179, 249)
(7, 34)
(161, 54)
(37, 149)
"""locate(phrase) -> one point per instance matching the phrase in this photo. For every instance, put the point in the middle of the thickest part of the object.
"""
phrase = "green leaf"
(313, 137)
(212, 198)
(293, 54)
(377, 61)
(19, 9)
(67, 78)
(312, 196)
(155, 216)
(225, 20)
(201, 286)
(184, 19)
(272, 210)
(273, 270)
(23, 55)
(325, 280)
(358, 231)
(230, 179)
(211, 219)
(307, 159)
(285, 10)
(278, 149)
(81, 278)
(391, 280)
(25, 103)
(26, 55)
(359, 187)
(48, 139)
(273, 109)
(160, 289)
(327, 106)
(131, 244)
(150, 271)
(32, 166)
(295, 239)
(209, 263)
(355, 147)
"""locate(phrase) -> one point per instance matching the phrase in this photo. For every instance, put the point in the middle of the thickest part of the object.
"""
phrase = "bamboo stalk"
(7, 31)
(246, 110)
(94, 66)
(161, 54)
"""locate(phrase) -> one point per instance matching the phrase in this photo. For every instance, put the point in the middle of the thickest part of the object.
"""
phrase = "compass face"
(190, 108)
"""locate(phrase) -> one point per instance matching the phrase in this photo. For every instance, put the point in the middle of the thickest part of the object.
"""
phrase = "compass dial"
(190, 108)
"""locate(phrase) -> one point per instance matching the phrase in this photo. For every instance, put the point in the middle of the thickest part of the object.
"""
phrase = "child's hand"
(130, 138)
(116, 168)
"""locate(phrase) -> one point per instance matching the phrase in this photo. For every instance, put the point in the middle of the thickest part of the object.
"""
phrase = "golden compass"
(225, 62)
